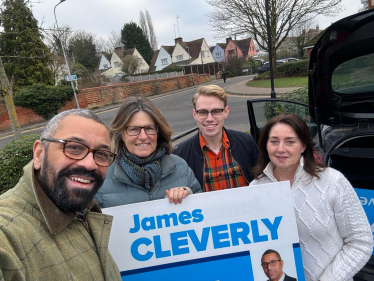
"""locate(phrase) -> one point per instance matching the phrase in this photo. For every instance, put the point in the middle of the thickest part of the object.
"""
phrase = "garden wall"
(92, 98)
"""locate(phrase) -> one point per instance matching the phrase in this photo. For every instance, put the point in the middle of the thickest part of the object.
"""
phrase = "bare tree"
(143, 24)
(249, 17)
(302, 33)
(146, 24)
(114, 39)
(152, 36)
(107, 45)
(131, 64)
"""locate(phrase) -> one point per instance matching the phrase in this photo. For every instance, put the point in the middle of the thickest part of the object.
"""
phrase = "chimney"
(228, 39)
(178, 40)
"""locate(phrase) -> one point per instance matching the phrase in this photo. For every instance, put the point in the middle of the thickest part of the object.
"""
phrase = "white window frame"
(116, 64)
(179, 57)
(164, 61)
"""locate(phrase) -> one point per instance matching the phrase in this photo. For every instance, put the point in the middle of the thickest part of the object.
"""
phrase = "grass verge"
(280, 82)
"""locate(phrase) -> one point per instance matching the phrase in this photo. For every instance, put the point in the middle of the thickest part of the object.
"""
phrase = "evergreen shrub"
(45, 100)
(13, 157)
(294, 69)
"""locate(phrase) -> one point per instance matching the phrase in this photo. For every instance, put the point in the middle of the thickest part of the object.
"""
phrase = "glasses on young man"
(135, 130)
(216, 113)
(272, 263)
(78, 151)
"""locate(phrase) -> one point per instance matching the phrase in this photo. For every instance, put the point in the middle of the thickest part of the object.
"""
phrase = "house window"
(116, 64)
(164, 61)
(105, 66)
(179, 57)
(202, 54)
(218, 55)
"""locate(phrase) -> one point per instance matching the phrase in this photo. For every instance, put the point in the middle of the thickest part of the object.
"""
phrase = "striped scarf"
(143, 171)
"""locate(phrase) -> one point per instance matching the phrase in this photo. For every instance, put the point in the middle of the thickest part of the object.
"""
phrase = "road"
(177, 109)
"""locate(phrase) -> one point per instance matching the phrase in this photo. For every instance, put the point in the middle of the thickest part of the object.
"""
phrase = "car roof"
(338, 92)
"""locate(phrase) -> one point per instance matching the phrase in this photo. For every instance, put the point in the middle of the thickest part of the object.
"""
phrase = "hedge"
(13, 157)
(294, 69)
(45, 100)
(288, 69)
(274, 108)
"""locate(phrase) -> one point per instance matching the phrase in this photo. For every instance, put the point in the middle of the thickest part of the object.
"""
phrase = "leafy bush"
(294, 69)
(275, 108)
(13, 157)
(45, 100)
(288, 69)
(300, 95)
(234, 66)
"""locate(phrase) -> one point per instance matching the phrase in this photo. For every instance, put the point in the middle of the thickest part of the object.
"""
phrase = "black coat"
(243, 149)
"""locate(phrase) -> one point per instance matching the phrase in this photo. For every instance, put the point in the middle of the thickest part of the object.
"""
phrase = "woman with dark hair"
(335, 236)
(144, 170)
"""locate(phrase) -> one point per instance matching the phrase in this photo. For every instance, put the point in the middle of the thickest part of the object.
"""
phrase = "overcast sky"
(100, 17)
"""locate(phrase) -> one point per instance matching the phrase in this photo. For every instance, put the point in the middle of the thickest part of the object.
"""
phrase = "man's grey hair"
(55, 123)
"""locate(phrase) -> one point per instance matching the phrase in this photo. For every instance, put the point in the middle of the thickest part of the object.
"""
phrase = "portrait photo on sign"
(272, 263)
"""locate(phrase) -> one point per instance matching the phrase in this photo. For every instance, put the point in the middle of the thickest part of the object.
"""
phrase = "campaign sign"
(366, 197)
(217, 235)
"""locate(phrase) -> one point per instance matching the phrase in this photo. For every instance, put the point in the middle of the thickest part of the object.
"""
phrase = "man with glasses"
(272, 264)
(220, 158)
(50, 228)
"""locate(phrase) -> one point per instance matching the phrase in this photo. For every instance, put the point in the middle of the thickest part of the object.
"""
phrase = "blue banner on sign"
(366, 197)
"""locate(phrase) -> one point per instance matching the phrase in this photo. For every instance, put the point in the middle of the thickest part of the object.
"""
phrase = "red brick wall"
(102, 96)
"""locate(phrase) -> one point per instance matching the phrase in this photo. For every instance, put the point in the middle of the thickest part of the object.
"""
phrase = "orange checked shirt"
(220, 170)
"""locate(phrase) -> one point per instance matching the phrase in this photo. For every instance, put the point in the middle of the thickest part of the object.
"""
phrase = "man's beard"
(75, 199)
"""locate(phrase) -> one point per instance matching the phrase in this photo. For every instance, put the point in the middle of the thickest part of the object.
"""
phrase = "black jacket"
(243, 149)
(288, 278)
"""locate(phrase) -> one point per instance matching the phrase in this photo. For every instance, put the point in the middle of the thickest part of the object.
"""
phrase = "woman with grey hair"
(144, 170)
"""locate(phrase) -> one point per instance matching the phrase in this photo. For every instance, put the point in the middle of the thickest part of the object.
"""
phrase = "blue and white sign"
(69, 78)
(217, 235)
(366, 197)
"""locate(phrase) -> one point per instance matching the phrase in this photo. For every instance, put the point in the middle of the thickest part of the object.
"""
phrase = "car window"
(267, 110)
(355, 76)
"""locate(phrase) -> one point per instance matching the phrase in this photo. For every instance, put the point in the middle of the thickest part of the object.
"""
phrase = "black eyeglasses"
(135, 130)
(216, 113)
(78, 151)
(272, 263)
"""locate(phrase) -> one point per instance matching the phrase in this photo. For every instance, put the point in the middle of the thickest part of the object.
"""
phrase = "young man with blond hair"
(220, 158)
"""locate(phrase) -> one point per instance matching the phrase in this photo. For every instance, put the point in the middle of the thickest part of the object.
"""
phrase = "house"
(130, 58)
(239, 48)
(104, 62)
(198, 50)
(181, 54)
(161, 58)
(218, 52)
(58, 66)
(310, 44)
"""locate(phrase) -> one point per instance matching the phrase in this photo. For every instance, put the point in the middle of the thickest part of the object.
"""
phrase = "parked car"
(341, 107)
(289, 59)
(266, 66)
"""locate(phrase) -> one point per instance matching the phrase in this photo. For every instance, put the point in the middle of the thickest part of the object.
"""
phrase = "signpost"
(69, 78)
(217, 235)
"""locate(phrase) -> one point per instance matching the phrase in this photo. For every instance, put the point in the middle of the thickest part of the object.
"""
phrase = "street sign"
(69, 78)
